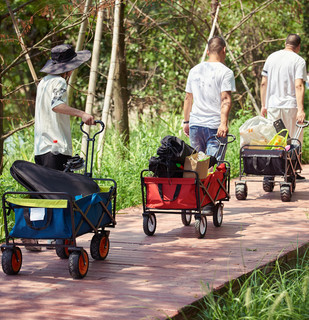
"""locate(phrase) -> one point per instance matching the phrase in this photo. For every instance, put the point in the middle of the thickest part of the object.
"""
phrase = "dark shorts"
(50, 160)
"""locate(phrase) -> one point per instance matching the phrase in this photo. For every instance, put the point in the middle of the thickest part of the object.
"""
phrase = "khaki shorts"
(288, 116)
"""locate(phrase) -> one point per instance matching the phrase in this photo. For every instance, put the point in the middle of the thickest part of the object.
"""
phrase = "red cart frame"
(186, 196)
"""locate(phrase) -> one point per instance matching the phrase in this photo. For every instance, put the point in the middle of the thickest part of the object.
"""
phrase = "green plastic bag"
(279, 139)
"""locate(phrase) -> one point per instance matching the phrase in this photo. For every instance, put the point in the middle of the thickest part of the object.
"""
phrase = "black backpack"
(171, 157)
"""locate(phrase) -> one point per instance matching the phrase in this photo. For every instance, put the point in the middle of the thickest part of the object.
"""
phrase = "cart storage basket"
(183, 193)
(55, 221)
(270, 162)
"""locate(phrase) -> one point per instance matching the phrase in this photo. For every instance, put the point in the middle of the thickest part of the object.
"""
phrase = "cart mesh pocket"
(264, 162)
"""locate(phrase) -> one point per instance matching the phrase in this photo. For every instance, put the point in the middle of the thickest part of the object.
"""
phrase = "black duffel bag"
(171, 154)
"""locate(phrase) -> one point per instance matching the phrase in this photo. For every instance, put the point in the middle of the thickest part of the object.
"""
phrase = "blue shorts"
(199, 141)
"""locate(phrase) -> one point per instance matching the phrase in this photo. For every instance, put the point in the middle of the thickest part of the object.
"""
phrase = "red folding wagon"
(186, 196)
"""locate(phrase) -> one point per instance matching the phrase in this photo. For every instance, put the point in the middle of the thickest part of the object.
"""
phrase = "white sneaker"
(51, 241)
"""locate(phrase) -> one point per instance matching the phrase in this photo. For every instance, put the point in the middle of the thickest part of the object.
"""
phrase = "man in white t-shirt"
(282, 86)
(208, 100)
(52, 132)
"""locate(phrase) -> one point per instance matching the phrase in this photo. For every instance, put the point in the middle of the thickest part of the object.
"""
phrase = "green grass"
(281, 294)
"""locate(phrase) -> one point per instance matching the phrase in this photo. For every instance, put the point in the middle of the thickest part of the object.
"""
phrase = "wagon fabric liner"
(185, 193)
(52, 216)
(271, 162)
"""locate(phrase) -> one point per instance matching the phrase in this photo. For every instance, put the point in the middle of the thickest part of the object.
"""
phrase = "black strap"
(176, 194)
(255, 164)
(29, 222)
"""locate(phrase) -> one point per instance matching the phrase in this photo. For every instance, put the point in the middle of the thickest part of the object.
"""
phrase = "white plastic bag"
(256, 131)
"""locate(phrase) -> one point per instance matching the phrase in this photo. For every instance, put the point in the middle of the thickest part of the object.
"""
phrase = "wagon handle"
(89, 174)
(96, 122)
(302, 125)
(233, 138)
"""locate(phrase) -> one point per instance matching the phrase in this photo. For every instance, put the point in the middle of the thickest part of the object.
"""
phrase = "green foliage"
(281, 294)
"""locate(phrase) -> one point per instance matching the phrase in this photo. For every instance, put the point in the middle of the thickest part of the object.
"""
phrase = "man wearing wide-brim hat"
(52, 133)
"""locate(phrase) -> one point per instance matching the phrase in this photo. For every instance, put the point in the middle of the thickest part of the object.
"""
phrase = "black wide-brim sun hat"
(65, 59)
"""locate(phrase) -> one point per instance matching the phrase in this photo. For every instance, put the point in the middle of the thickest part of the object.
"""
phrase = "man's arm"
(187, 107)
(65, 109)
(226, 105)
(263, 89)
(300, 97)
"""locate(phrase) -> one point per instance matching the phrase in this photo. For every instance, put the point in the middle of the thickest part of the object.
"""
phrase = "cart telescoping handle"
(89, 174)
(300, 127)
(96, 122)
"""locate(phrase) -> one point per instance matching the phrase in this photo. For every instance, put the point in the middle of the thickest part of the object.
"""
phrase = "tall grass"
(281, 294)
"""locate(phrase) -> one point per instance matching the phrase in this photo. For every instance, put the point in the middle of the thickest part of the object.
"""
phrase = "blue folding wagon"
(62, 206)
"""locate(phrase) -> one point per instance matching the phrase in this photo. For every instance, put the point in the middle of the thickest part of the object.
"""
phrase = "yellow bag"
(279, 139)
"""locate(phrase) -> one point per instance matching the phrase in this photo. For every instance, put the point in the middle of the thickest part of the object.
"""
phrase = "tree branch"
(2, 17)
(48, 36)
(249, 65)
(258, 45)
(248, 16)
(183, 50)
(8, 134)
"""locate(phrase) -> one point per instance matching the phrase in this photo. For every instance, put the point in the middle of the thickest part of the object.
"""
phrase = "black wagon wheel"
(11, 260)
(218, 214)
(241, 191)
(78, 264)
(63, 252)
(201, 227)
(99, 246)
(149, 224)
(268, 185)
(186, 217)
(285, 193)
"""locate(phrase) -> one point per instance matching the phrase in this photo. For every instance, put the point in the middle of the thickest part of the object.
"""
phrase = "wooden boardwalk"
(153, 277)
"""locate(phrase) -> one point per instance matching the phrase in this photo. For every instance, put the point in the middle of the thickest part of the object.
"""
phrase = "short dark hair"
(216, 45)
(293, 40)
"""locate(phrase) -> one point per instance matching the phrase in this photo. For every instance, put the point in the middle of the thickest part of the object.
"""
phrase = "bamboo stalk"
(211, 31)
(110, 80)
(239, 72)
(79, 46)
(93, 71)
(21, 41)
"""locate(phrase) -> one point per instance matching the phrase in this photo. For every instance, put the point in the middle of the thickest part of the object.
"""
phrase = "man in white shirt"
(282, 87)
(208, 100)
(52, 132)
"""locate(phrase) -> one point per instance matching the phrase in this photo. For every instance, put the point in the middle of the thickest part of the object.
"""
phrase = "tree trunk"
(243, 79)
(304, 39)
(214, 5)
(214, 18)
(110, 79)
(93, 72)
(21, 41)
(1, 125)
(120, 93)
(79, 46)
